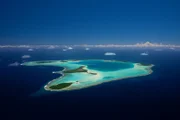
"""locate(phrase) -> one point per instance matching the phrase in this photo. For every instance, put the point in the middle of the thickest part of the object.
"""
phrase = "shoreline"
(47, 86)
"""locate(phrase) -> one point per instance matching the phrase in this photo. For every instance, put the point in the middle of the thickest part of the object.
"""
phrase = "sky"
(89, 21)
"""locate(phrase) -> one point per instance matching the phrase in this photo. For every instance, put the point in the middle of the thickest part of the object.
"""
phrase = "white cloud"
(25, 56)
(70, 48)
(87, 49)
(14, 64)
(144, 54)
(51, 47)
(172, 48)
(64, 50)
(109, 53)
(30, 49)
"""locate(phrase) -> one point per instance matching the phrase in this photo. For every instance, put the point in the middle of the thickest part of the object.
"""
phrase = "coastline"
(47, 86)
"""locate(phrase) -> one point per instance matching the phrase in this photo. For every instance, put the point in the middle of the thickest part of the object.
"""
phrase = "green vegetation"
(145, 64)
(60, 86)
(93, 73)
(80, 69)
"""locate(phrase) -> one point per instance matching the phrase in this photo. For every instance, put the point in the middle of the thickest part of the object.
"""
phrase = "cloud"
(14, 64)
(87, 49)
(70, 48)
(30, 49)
(144, 54)
(172, 48)
(109, 53)
(64, 50)
(25, 56)
(51, 47)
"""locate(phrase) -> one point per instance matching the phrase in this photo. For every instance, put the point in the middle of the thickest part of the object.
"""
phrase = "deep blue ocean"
(156, 95)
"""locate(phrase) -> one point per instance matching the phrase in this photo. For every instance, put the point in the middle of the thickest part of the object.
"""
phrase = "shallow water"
(105, 65)
(114, 70)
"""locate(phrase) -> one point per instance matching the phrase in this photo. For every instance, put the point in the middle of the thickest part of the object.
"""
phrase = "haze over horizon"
(89, 21)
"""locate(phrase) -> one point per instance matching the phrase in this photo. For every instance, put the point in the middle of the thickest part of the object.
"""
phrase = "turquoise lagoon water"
(103, 65)
(107, 70)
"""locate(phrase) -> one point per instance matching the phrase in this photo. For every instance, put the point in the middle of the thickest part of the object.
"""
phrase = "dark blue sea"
(155, 95)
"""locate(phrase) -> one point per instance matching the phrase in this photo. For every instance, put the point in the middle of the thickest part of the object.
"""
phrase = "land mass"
(78, 74)
(60, 86)
(80, 69)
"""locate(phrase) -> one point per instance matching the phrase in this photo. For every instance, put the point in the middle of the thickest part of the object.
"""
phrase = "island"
(78, 74)
(80, 69)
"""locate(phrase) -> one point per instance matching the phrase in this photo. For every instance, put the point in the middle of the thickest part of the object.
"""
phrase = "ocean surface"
(103, 66)
(157, 94)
